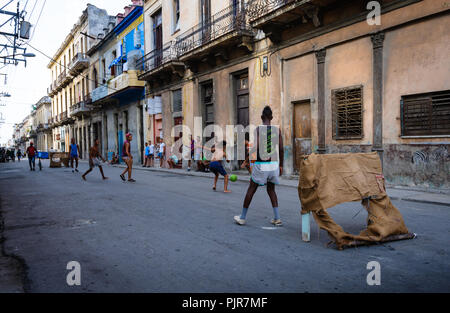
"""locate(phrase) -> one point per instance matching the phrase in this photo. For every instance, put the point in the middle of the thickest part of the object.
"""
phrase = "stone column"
(377, 42)
(91, 134)
(320, 56)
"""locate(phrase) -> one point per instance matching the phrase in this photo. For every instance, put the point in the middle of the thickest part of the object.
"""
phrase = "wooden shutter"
(426, 114)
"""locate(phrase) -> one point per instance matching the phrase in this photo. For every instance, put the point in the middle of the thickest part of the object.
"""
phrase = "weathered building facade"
(117, 95)
(70, 80)
(42, 117)
(336, 78)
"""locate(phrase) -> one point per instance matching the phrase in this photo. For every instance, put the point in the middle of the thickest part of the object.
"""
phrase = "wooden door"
(302, 131)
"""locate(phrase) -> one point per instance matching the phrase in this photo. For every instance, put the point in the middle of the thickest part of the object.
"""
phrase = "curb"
(420, 201)
(240, 178)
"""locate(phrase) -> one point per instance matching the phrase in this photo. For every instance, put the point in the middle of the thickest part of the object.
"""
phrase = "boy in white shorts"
(268, 166)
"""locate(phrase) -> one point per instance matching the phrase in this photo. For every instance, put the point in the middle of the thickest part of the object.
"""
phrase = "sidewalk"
(414, 194)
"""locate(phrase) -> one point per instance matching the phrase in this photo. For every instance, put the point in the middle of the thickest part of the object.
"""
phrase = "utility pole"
(11, 52)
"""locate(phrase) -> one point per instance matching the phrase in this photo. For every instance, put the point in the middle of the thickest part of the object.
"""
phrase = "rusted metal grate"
(426, 114)
(347, 107)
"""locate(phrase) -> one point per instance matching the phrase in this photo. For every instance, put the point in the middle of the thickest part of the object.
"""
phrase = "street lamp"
(16, 61)
(27, 55)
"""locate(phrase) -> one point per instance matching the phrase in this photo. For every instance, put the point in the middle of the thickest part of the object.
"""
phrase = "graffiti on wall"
(426, 156)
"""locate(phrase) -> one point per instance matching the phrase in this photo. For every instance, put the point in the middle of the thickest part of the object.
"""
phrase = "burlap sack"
(327, 180)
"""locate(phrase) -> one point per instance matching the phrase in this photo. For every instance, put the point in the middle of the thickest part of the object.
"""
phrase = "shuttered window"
(347, 111)
(426, 114)
(207, 95)
(176, 101)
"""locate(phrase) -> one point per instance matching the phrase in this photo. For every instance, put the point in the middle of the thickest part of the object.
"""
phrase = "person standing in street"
(192, 153)
(151, 157)
(268, 166)
(94, 160)
(31, 152)
(162, 153)
(146, 155)
(73, 154)
(127, 158)
(19, 154)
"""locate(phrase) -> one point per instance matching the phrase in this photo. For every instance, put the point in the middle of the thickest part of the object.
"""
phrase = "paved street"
(172, 233)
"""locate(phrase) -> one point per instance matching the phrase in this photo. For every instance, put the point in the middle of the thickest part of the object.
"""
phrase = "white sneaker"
(238, 220)
(276, 222)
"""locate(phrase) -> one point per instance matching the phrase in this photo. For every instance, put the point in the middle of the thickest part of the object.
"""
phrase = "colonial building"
(339, 77)
(117, 94)
(43, 113)
(70, 79)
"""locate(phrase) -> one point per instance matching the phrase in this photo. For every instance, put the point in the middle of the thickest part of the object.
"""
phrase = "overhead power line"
(66, 67)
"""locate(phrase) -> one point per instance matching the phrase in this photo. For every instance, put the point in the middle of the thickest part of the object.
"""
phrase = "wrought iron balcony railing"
(158, 57)
(229, 20)
(258, 8)
(79, 62)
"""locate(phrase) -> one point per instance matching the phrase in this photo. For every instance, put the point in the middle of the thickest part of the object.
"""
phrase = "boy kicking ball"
(216, 165)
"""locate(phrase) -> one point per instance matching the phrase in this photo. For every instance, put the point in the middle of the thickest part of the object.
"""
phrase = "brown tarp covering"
(327, 180)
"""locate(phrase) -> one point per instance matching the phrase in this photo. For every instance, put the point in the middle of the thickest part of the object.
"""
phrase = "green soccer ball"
(233, 178)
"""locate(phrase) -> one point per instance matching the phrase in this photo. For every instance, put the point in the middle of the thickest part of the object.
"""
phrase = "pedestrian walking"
(127, 158)
(267, 168)
(94, 160)
(19, 154)
(73, 154)
(31, 152)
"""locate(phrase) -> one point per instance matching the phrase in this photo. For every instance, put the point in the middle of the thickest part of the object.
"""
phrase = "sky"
(27, 85)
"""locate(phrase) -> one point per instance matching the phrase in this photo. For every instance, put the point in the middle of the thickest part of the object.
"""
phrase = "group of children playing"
(265, 164)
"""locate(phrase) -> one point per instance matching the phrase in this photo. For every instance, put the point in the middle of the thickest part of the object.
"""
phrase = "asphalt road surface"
(173, 233)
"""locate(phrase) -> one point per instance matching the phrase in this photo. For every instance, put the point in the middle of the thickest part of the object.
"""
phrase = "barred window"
(177, 104)
(347, 111)
(426, 114)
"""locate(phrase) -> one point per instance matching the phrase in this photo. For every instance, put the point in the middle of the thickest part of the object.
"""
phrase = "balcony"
(228, 28)
(58, 83)
(82, 107)
(99, 93)
(161, 62)
(51, 91)
(124, 81)
(63, 79)
(79, 63)
(273, 16)
(57, 120)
